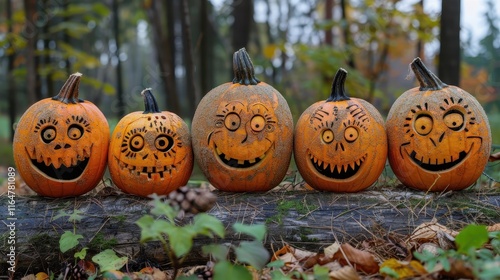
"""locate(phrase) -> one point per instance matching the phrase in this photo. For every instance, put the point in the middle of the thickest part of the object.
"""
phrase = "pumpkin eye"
(164, 142)
(75, 132)
(48, 134)
(454, 120)
(423, 124)
(136, 143)
(351, 134)
(232, 121)
(327, 136)
(258, 123)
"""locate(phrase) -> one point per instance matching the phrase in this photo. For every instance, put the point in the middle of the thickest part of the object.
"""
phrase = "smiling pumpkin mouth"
(63, 172)
(239, 163)
(148, 171)
(435, 166)
(337, 171)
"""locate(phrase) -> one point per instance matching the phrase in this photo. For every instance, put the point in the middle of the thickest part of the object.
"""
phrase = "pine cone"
(74, 272)
(191, 200)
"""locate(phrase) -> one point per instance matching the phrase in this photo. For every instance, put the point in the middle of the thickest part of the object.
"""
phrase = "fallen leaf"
(42, 276)
(345, 273)
(360, 260)
(429, 231)
(331, 250)
(403, 269)
(29, 277)
(495, 227)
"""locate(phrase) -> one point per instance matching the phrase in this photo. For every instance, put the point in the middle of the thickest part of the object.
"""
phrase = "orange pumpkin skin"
(61, 144)
(439, 136)
(243, 133)
(340, 144)
(150, 152)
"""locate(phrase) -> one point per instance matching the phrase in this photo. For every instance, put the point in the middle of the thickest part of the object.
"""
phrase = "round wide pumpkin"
(340, 144)
(61, 144)
(150, 152)
(439, 136)
(243, 132)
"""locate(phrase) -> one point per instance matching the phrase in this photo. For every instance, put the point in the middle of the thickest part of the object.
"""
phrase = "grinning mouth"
(438, 166)
(63, 172)
(238, 163)
(333, 171)
(148, 171)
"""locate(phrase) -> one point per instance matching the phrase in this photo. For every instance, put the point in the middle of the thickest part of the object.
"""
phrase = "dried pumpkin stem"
(426, 79)
(338, 92)
(150, 104)
(244, 73)
(69, 91)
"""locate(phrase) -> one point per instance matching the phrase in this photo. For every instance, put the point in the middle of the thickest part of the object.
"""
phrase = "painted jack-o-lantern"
(439, 136)
(242, 132)
(150, 152)
(61, 144)
(340, 144)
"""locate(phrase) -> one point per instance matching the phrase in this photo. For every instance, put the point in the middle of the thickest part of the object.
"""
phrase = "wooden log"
(306, 219)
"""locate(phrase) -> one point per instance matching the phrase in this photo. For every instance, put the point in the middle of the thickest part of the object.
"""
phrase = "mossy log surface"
(308, 220)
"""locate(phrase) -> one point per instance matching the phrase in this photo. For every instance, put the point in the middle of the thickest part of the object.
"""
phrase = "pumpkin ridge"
(150, 104)
(244, 73)
(425, 77)
(338, 92)
(69, 91)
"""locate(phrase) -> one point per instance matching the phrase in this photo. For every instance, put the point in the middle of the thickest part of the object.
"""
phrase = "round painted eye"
(163, 143)
(454, 120)
(327, 136)
(48, 134)
(423, 124)
(351, 134)
(75, 132)
(258, 123)
(136, 143)
(232, 121)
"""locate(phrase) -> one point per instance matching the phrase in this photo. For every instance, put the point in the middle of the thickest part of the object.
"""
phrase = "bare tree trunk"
(206, 49)
(31, 33)
(11, 86)
(329, 17)
(420, 44)
(243, 17)
(193, 94)
(449, 50)
(347, 34)
(66, 38)
(119, 83)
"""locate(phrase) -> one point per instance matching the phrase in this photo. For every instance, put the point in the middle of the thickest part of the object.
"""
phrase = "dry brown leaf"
(345, 273)
(29, 277)
(495, 227)
(42, 276)
(404, 269)
(429, 231)
(282, 251)
(360, 260)
(331, 250)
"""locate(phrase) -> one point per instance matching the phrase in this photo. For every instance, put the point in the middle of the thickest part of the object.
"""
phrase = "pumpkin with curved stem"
(439, 136)
(150, 152)
(61, 144)
(340, 144)
(242, 132)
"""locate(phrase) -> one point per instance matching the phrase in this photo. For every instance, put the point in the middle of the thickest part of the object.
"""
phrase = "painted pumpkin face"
(235, 132)
(439, 136)
(61, 143)
(340, 144)
(150, 151)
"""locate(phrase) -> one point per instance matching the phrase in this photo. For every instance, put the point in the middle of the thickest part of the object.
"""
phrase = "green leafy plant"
(470, 242)
(176, 240)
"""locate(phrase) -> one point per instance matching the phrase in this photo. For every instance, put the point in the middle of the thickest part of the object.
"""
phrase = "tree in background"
(449, 50)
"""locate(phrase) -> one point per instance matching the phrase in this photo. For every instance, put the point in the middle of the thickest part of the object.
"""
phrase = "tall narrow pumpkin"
(243, 132)
(150, 152)
(340, 144)
(439, 136)
(61, 144)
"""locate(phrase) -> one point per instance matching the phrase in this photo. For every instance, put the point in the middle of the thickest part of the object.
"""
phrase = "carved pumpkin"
(61, 144)
(243, 132)
(340, 144)
(150, 152)
(439, 136)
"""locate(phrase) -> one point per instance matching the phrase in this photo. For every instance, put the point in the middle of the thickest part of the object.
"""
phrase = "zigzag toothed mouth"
(333, 171)
(63, 172)
(436, 167)
(238, 163)
(148, 171)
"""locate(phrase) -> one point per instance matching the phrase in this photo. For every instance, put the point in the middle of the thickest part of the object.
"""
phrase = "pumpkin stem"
(426, 79)
(338, 92)
(69, 91)
(150, 104)
(244, 73)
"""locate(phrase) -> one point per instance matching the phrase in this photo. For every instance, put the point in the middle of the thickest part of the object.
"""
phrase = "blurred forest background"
(183, 48)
